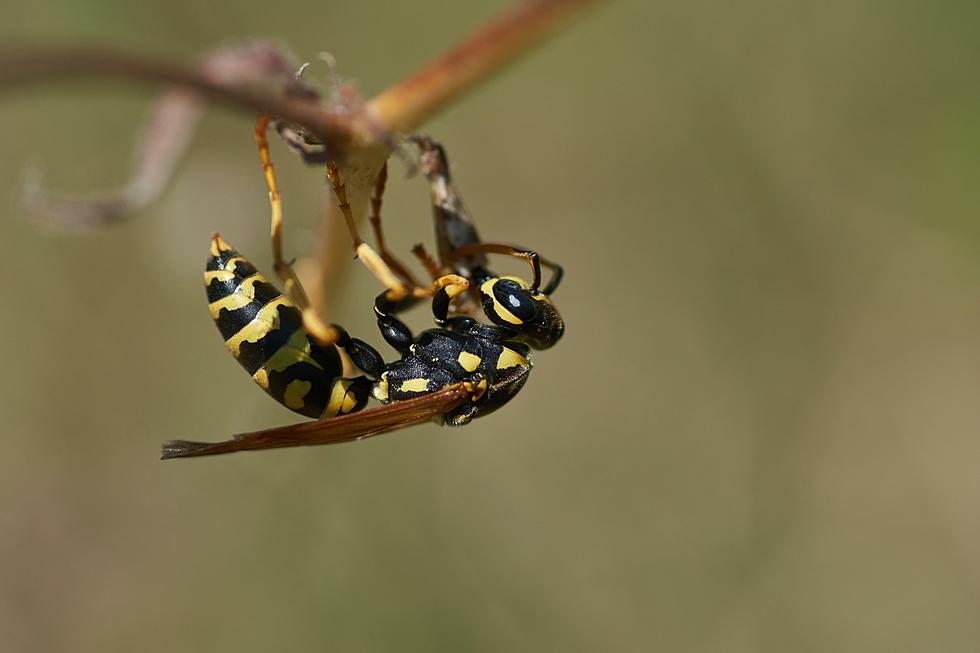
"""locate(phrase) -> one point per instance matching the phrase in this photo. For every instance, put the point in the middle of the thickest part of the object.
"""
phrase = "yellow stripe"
(242, 297)
(338, 392)
(295, 391)
(510, 358)
(350, 402)
(296, 350)
(261, 377)
(220, 275)
(230, 263)
(266, 320)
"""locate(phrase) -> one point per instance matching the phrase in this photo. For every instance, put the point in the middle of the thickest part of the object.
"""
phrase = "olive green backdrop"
(760, 433)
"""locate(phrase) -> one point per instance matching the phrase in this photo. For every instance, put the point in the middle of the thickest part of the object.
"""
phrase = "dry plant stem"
(25, 65)
(408, 104)
(361, 141)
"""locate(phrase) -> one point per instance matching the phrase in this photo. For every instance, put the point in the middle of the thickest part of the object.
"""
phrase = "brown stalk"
(24, 65)
(409, 103)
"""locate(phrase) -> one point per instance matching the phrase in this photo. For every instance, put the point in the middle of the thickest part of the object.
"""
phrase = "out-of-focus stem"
(409, 103)
(25, 64)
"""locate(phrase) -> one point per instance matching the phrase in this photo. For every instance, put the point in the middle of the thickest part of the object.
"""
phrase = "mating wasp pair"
(450, 374)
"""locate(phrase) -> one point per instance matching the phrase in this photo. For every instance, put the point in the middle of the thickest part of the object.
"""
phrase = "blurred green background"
(759, 433)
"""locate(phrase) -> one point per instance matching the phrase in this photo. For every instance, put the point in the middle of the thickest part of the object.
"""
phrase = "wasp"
(451, 374)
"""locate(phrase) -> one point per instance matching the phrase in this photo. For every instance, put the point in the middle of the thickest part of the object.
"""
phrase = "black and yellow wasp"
(451, 374)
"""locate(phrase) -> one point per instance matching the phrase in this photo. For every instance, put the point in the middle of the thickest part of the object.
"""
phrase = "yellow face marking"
(338, 392)
(468, 361)
(295, 391)
(414, 385)
(509, 358)
(242, 297)
(380, 389)
(487, 290)
(218, 245)
(266, 320)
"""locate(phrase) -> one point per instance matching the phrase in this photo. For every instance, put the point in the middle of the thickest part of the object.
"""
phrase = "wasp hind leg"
(324, 334)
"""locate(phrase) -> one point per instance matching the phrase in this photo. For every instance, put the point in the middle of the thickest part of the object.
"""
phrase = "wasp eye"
(508, 302)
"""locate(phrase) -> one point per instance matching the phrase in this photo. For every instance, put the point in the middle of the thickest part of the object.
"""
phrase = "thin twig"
(27, 64)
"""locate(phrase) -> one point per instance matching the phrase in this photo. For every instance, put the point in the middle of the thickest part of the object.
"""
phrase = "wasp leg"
(363, 355)
(324, 334)
(397, 290)
(449, 288)
(390, 260)
(429, 263)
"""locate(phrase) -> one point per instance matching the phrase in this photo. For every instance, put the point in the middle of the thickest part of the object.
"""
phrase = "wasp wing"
(333, 430)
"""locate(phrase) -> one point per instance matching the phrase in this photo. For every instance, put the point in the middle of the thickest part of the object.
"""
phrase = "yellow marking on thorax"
(509, 358)
(414, 385)
(295, 391)
(242, 297)
(265, 321)
(380, 389)
(487, 289)
(468, 361)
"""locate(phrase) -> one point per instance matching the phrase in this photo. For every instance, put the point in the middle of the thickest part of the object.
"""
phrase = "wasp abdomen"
(264, 331)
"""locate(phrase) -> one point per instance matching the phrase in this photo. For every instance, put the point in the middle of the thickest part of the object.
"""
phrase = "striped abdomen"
(264, 332)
